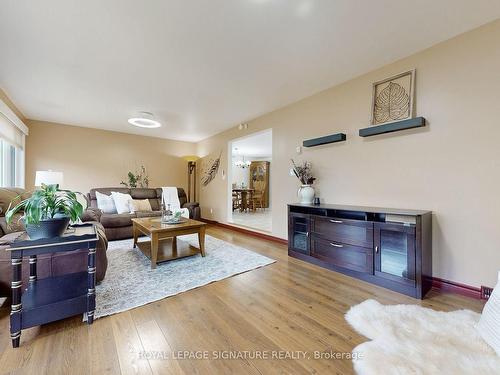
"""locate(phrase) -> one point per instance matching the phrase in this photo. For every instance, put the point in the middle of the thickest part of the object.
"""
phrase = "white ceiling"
(259, 145)
(203, 66)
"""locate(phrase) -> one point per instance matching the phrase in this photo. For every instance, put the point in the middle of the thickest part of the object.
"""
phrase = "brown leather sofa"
(48, 264)
(119, 226)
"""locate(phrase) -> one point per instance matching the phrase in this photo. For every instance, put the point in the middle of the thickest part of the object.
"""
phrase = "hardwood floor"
(287, 306)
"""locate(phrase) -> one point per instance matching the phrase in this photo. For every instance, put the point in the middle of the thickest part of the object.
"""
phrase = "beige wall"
(451, 167)
(98, 158)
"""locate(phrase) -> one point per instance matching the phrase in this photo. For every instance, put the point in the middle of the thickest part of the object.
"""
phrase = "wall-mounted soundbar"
(333, 138)
(411, 123)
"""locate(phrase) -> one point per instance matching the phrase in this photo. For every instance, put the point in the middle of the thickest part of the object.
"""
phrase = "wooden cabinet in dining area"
(259, 179)
(388, 247)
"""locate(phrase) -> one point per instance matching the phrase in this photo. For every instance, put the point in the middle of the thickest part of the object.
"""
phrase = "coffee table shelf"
(166, 250)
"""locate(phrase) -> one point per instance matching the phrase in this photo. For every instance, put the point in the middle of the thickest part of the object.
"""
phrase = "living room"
(377, 249)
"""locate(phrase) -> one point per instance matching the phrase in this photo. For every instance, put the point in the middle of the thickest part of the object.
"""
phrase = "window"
(12, 138)
(11, 165)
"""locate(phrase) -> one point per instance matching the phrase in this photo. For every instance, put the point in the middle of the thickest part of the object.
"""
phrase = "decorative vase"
(306, 194)
(48, 228)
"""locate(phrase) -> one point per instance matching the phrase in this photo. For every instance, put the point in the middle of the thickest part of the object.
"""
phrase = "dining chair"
(236, 201)
(258, 195)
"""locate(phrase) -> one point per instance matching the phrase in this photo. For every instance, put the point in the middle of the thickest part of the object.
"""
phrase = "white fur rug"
(410, 339)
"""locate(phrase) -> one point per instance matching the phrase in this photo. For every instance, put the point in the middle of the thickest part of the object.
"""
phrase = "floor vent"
(486, 292)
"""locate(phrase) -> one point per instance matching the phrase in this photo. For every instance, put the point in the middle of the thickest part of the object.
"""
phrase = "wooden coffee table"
(164, 245)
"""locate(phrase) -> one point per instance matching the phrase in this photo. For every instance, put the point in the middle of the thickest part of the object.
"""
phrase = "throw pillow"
(105, 203)
(140, 205)
(489, 324)
(122, 202)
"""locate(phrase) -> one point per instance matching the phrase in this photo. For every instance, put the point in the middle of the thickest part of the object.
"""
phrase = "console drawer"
(352, 232)
(343, 255)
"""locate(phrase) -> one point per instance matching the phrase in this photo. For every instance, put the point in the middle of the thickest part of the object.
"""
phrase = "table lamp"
(48, 178)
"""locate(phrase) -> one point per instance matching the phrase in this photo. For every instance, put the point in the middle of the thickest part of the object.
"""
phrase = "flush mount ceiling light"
(144, 120)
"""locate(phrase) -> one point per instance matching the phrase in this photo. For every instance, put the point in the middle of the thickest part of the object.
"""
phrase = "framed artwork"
(393, 98)
(210, 167)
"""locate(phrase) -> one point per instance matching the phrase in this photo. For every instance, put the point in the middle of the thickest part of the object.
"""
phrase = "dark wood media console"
(384, 246)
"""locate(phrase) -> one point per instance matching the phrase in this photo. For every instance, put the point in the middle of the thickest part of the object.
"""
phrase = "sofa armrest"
(91, 214)
(194, 210)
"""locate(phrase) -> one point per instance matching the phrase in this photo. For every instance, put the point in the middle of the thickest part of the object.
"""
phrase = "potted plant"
(47, 212)
(304, 173)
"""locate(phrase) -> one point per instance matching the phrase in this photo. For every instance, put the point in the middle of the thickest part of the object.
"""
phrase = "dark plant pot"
(48, 228)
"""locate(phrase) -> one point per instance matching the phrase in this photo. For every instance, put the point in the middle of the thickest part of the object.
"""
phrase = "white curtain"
(12, 136)
(10, 132)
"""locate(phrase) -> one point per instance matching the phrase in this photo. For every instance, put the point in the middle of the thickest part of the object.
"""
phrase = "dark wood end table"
(57, 297)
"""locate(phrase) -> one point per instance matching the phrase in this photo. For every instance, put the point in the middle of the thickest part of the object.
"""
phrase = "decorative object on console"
(363, 243)
(139, 179)
(333, 138)
(393, 98)
(211, 167)
(191, 159)
(47, 212)
(304, 173)
(48, 178)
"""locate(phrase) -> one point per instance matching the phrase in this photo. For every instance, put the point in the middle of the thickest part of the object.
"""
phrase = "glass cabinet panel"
(394, 253)
(300, 234)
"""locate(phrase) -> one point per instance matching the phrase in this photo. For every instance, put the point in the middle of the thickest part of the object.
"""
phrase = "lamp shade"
(48, 178)
(190, 158)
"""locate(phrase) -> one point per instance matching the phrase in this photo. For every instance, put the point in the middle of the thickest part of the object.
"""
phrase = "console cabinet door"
(395, 252)
(299, 228)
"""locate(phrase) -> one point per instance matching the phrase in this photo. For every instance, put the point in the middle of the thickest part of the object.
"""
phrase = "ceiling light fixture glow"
(144, 120)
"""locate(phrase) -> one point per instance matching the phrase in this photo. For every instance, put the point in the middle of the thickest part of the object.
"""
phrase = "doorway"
(249, 181)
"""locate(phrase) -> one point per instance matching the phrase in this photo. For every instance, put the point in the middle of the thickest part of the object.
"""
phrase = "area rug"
(130, 282)
(410, 339)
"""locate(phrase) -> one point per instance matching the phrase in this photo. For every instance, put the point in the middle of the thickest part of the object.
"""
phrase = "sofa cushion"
(105, 203)
(107, 191)
(117, 220)
(140, 205)
(143, 193)
(122, 202)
